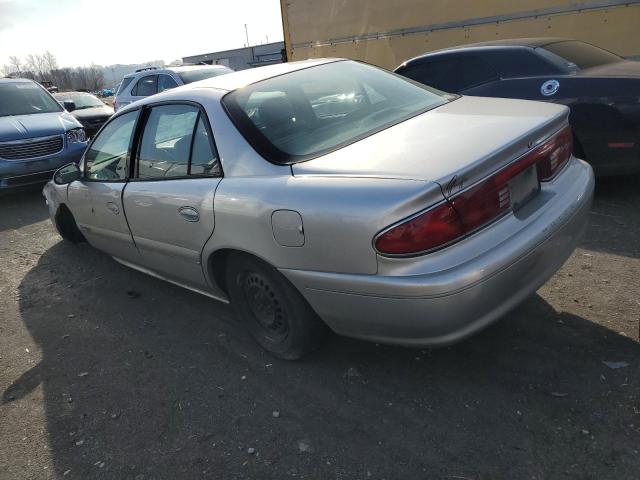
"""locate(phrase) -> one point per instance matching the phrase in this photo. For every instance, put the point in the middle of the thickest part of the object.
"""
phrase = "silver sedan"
(330, 195)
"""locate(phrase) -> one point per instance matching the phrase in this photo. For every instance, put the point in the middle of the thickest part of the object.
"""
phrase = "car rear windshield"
(582, 55)
(125, 82)
(189, 76)
(309, 112)
(25, 98)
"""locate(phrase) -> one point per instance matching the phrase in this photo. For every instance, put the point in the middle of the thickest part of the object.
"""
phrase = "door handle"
(113, 208)
(190, 214)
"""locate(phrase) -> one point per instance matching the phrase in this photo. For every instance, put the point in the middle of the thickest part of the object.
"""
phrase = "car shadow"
(22, 207)
(614, 219)
(142, 379)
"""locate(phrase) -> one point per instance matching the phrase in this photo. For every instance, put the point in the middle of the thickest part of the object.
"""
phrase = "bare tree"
(44, 67)
(36, 64)
(16, 64)
(95, 77)
(63, 78)
(49, 61)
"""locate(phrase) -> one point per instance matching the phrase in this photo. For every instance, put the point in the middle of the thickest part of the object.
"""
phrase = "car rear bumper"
(440, 298)
(17, 173)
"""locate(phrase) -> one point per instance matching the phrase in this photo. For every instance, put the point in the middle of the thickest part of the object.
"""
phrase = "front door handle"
(190, 214)
(113, 208)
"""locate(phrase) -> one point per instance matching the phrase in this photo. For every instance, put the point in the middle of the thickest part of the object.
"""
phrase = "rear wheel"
(578, 150)
(67, 227)
(275, 313)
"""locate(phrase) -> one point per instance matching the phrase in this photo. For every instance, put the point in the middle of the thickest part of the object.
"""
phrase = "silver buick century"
(330, 195)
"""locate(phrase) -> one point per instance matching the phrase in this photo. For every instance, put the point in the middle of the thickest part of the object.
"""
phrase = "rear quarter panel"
(341, 217)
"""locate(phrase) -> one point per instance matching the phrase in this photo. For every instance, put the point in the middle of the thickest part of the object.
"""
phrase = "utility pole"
(253, 53)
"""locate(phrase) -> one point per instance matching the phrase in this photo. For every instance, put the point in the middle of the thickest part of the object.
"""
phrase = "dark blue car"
(37, 135)
(601, 88)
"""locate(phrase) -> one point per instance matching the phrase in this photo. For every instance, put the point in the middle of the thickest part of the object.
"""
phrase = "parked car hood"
(18, 127)
(627, 68)
(93, 112)
(469, 138)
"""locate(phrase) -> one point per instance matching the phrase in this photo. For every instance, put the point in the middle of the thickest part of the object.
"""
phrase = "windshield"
(25, 98)
(306, 113)
(582, 55)
(82, 100)
(189, 76)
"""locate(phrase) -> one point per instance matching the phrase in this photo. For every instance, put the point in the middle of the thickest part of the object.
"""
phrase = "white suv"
(150, 80)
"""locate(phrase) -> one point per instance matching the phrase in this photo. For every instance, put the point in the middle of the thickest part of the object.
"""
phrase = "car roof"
(234, 80)
(231, 81)
(187, 68)
(532, 42)
(15, 80)
(59, 94)
(181, 68)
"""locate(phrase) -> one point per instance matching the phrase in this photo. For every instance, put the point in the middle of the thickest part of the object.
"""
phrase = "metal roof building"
(242, 58)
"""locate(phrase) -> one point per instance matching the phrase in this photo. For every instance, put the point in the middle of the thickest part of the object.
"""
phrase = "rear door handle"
(190, 214)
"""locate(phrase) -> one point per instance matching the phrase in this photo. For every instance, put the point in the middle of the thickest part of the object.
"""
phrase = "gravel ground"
(108, 373)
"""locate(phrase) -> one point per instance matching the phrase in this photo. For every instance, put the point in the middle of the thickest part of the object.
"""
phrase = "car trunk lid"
(455, 145)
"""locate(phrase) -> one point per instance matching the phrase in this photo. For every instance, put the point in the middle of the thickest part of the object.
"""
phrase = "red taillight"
(427, 231)
(482, 203)
(476, 206)
(554, 154)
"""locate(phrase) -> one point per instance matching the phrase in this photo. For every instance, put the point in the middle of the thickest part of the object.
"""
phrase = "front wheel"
(67, 227)
(275, 313)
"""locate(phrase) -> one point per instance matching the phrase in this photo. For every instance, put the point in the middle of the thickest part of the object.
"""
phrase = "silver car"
(151, 80)
(330, 195)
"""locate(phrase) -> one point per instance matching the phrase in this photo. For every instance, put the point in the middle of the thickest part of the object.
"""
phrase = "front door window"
(107, 158)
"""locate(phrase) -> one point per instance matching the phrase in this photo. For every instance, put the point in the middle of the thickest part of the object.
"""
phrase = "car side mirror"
(69, 105)
(66, 174)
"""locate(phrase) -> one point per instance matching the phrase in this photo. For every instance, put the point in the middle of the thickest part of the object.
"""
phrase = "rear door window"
(146, 86)
(175, 144)
(204, 157)
(442, 74)
(473, 71)
(166, 82)
(452, 75)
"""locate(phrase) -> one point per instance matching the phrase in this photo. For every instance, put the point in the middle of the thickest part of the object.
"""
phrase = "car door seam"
(124, 213)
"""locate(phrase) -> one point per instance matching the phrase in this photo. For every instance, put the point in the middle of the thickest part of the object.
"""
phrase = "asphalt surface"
(108, 373)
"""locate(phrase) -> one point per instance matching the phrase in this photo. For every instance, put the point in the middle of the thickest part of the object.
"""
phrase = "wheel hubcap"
(265, 306)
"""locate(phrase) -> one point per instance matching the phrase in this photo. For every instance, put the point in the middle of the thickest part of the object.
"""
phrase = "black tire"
(578, 150)
(276, 314)
(66, 226)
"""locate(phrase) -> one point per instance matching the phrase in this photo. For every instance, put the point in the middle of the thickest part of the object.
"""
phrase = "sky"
(79, 32)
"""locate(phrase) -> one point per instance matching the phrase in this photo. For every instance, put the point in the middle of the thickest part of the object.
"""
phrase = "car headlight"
(77, 135)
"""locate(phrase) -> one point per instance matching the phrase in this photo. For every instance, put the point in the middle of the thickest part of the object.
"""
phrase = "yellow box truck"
(388, 32)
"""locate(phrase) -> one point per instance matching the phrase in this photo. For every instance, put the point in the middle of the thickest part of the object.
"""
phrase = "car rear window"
(189, 76)
(582, 55)
(124, 84)
(309, 112)
(146, 86)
